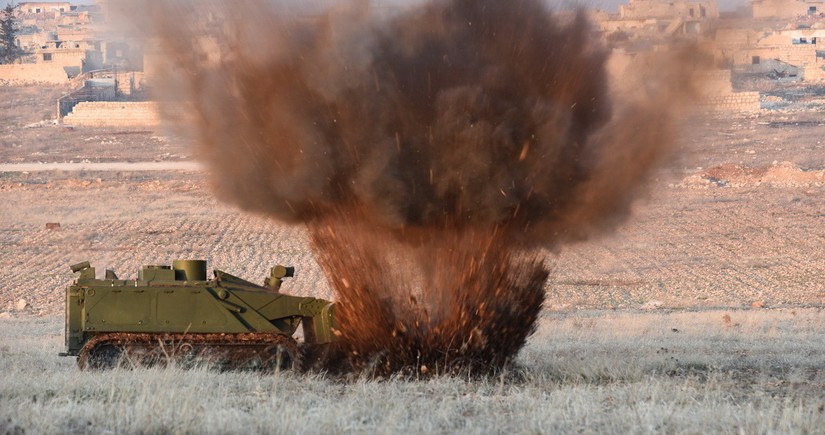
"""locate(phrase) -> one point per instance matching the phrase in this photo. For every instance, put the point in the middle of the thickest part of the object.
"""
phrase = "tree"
(9, 51)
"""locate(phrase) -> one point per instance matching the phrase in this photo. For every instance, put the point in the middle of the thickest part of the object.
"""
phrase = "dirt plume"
(434, 155)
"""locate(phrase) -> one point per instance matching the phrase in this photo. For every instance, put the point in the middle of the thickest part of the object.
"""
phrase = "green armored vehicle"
(177, 314)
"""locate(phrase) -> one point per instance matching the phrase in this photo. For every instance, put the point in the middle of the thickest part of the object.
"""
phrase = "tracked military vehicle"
(174, 313)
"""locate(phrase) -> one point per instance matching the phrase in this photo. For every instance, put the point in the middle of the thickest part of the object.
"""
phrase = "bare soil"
(737, 220)
(29, 132)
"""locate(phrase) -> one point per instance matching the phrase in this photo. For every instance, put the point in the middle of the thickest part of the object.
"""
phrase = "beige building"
(658, 18)
(786, 8)
(797, 47)
(790, 54)
(44, 7)
(662, 9)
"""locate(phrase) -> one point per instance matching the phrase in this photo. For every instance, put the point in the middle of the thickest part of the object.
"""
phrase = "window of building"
(803, 40)
(755, 60)
(811, 9)
(47, 57)
(690, 12)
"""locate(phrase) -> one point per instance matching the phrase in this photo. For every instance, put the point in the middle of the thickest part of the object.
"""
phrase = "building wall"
(73, 34)
(669, 9)
(626, 77)
(22, 74)
(33, 40)
(41, 7)
(93, 61)
(793, 37)
(647, 24)
(61, 56)
(716, 94)
(716, 82)
(114, 114)
(735, 38)
(739, 102)
(784, 8)
(802, 56)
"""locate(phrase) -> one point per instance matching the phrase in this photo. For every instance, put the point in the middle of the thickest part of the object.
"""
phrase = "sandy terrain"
(738, 219)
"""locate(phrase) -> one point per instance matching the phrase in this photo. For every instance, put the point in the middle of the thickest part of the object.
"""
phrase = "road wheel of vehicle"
(282, 356)
(184, 355)
(101, 357)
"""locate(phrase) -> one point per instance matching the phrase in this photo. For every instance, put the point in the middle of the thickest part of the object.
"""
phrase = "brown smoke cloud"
(431, 153)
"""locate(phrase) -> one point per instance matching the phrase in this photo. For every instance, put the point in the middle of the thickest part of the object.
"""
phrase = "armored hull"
(174, 313)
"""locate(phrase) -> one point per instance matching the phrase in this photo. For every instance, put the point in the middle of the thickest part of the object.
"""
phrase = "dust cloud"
(436, 154)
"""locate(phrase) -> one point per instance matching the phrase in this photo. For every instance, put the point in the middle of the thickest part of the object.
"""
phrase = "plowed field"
(737, 220)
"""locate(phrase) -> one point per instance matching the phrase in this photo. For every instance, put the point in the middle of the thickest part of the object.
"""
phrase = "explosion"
(435, 155)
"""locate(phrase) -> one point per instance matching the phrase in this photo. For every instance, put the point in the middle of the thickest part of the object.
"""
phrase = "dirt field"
(28, 133)
(737, 222)
(738, 219)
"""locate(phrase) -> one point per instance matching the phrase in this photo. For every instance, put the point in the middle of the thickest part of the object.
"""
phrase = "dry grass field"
(702, 313)
(591, 371)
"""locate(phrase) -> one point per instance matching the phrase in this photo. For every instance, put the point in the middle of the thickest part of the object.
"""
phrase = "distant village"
(756, 49)
(769, 44)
